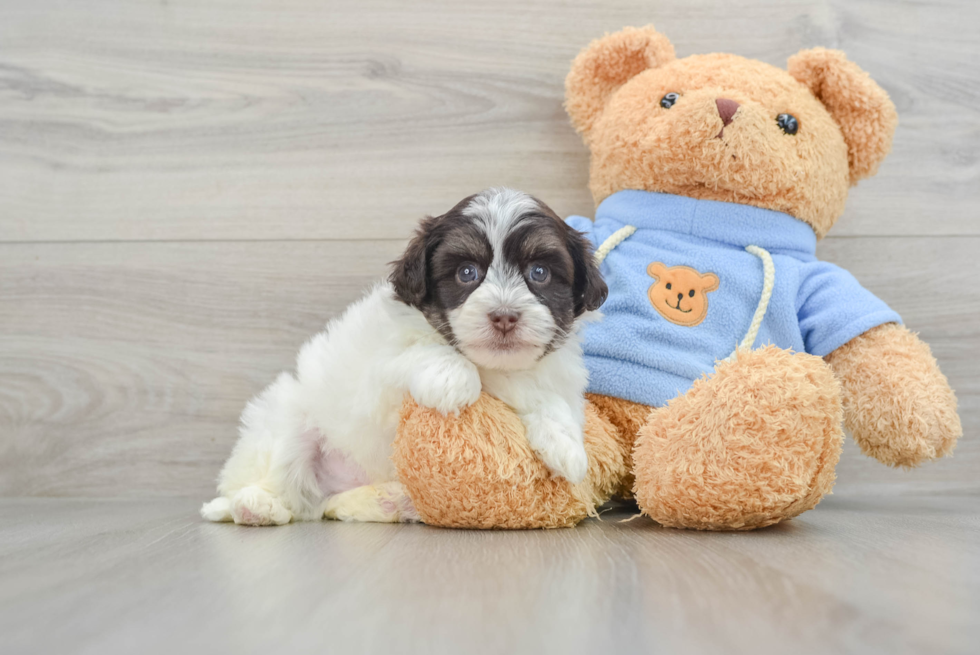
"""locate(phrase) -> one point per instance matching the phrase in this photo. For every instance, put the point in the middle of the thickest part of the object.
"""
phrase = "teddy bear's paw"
(560, 447)
(449, 387)
(898, 405)
(906, 431)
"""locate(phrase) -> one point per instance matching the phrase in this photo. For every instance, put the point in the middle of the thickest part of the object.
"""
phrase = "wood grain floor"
(858, 575)
(188, 190)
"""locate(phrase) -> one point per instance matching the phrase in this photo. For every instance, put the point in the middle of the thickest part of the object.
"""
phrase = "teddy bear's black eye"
(691, 293)
(788, 123)
(668, 286)
(668, 101)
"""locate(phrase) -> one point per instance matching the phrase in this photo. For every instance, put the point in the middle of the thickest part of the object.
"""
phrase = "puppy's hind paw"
(447, 388)
(218, 510)
(385, 502)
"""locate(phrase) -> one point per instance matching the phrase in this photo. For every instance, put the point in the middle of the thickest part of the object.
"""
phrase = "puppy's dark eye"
(668, 286)
(538, 273)
(668, 100)
(468, 273)
(691, 293)
(788, 123)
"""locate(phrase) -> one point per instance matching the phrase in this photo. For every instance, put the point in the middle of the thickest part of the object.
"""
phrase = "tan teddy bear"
(729, 356)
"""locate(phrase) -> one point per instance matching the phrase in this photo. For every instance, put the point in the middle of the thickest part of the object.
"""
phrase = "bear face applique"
(680, 293)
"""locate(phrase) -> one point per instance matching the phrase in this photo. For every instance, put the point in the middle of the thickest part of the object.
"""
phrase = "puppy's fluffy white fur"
(318, 443)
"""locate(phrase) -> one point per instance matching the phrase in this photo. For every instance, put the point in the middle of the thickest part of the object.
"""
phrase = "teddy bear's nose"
(726, 109)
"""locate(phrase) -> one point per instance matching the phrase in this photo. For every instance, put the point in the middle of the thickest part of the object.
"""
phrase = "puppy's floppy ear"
(409, 273)
(589, 288)
(865, 113)
(608, 63)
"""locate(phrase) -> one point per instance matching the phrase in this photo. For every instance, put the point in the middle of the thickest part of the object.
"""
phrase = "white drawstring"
(612, 241)
(768, 282)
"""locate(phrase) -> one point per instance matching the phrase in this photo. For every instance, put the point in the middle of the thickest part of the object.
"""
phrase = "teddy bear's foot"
(753, 444)
(476, 470)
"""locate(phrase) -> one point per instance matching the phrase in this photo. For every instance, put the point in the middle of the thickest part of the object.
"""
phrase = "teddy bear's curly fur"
(757, 440)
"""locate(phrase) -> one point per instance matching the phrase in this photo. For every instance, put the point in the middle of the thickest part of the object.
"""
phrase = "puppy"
(487, 296)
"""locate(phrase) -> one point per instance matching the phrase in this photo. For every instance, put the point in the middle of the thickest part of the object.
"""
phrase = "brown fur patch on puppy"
(575, 284)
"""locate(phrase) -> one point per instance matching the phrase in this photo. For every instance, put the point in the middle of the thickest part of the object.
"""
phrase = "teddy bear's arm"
(898, 405)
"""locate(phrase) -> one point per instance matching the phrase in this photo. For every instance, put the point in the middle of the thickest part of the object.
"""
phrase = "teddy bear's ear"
(863, 109)
(608, 63)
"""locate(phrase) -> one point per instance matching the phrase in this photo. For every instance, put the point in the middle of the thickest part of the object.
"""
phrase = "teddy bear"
(728, 359)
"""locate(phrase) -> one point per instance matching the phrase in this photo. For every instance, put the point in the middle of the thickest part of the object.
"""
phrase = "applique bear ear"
(710, 281)
(657, 270)
(608, 63)
(863, 109)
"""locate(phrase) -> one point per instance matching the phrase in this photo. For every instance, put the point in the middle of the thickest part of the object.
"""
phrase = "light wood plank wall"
(190, 189)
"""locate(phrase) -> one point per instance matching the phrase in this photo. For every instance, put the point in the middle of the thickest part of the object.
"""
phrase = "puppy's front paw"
(256, 506)
(448, 386)
(557, 446)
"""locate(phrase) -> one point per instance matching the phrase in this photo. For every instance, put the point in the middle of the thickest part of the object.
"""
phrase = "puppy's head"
(501, 277)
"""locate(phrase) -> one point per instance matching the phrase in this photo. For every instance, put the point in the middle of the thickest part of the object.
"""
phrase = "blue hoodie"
(650, 355)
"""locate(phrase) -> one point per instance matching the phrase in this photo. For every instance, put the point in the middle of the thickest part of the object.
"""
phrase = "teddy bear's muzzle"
(710, 145)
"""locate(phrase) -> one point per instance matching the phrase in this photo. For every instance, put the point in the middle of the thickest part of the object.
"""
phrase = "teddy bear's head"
(722, 127)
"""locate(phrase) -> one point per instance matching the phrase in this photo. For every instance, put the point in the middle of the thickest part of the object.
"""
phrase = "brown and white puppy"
(501, 277)
(487, 296)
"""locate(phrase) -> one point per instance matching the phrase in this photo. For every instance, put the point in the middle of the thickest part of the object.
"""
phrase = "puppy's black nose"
(504, 322)
(679, 296)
